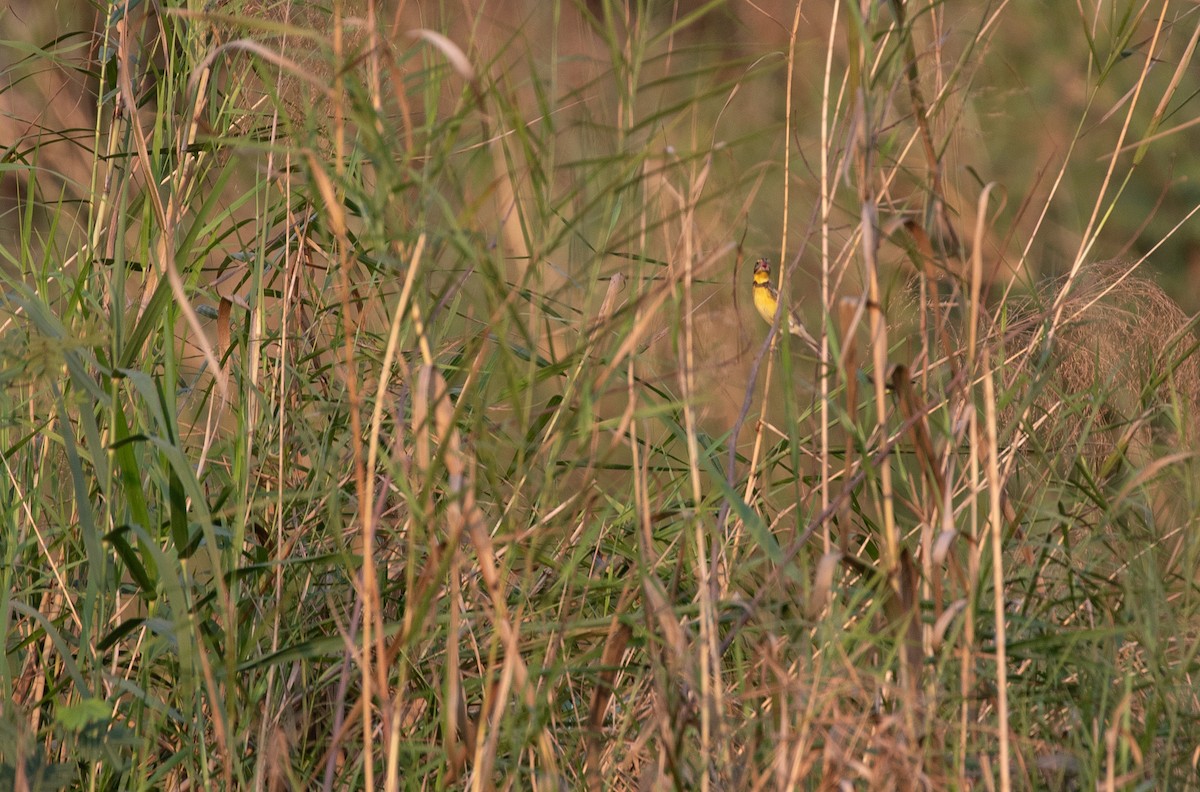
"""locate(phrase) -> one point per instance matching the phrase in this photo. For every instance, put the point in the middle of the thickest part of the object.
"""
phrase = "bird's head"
(762, 270)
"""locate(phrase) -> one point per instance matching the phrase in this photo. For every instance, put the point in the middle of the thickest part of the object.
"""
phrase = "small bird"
(766, 300)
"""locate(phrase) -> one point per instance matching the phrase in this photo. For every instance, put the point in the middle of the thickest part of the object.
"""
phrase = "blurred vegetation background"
(385, 406)
(1035, 94)
(1033, 107)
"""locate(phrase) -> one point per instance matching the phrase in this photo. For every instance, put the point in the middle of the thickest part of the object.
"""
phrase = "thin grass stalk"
(279, 387)
(1088, 237)
(787, 152)
(381, 397)
(826, 198)
(868, 226)
(995, 495)
(996, 530)
(712, 699)
(372, 646)
(974, 550)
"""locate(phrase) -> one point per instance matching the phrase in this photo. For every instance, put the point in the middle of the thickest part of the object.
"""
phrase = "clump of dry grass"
(1122, 339)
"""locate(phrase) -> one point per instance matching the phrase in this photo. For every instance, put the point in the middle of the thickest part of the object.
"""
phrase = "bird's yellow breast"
(764, 297)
